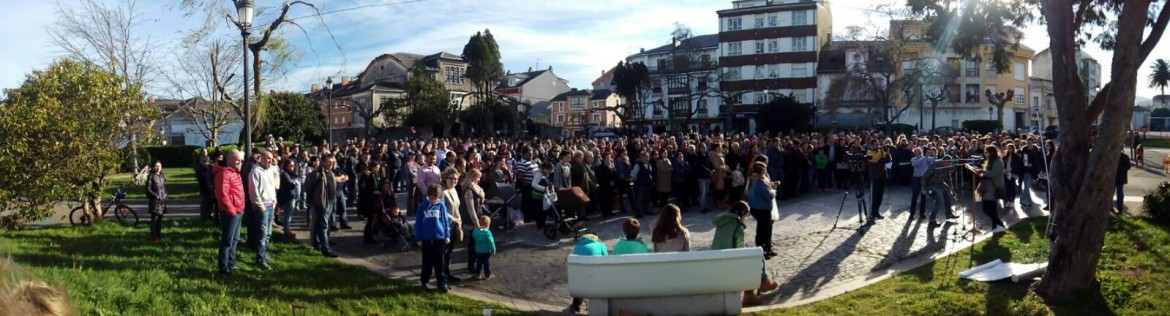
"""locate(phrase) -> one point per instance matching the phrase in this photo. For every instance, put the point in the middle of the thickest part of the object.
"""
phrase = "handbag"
(775, 209)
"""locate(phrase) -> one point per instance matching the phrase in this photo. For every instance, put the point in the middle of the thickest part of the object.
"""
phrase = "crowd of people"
(446, 181)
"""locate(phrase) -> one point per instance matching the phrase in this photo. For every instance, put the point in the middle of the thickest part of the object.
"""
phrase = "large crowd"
(447, 181)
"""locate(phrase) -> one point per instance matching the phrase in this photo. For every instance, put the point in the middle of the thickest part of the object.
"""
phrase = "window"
(799, 17)
(972, 94)
(732, 73)
(773, 71)
(991, 72)
(798, 44)
(773, 20)
(908, 67)
(760, 71)
(702, 107)
(596, 118)
(1019, 96)
(734, 48)
(800, 70)
(1018, 70)
(734, 24)
(759, 47)
(454, 75)
(1035, 101)
(773, 46)
(596, 104)
(560, 118)
(661, 64)
(705, 60)
(972, 68)
(759, 21)
(762, 97)
(576, 103)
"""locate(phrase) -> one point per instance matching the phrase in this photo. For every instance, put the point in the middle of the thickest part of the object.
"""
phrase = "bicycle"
(124, 214)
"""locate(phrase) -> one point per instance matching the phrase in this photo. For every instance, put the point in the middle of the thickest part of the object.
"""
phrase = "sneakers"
(264, 266)
(998, 229)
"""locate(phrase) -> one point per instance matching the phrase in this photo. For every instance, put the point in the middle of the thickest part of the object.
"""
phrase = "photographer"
(877, 159)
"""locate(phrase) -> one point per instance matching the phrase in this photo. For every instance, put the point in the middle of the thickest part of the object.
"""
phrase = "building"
(384, 78)
(604, 81)
(959, 85)
(578, 112)
(535, 88)
(1041, 96)
(682, 95)
(769, 47)
(178, 126)
(1041, 102)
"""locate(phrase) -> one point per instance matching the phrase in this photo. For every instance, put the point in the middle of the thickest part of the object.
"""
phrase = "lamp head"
(245, 9)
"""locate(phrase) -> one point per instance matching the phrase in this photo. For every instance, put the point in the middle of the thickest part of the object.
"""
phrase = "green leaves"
(62, 128)
(426, 100)
(295, 117)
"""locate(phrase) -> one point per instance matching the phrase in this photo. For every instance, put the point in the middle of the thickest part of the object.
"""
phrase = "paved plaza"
(815, 261)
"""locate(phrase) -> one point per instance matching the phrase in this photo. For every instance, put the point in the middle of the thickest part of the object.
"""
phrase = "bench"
(673, 283)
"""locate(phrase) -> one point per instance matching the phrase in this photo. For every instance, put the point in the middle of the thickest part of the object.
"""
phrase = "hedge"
(982, 126)
(172, 156)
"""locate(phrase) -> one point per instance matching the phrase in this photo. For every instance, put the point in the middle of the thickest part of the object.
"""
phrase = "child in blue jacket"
(432, 228)
(485, 247)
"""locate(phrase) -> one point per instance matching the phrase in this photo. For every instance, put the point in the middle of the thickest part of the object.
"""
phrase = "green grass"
(1133, 280)
(109, 269)
(181, 184)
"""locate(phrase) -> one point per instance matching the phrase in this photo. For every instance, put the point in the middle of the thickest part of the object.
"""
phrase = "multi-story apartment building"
(383, 79)
(577, 112)
(682, 93)
(1040, 93)
(536, 88)
(769, 47)
(965, 81)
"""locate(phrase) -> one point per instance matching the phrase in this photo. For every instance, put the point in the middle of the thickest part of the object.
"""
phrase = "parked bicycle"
(124, 214)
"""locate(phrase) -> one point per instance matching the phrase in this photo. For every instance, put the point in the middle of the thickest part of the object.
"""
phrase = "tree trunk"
(1080, 201)
(933, 119)
(999, 115)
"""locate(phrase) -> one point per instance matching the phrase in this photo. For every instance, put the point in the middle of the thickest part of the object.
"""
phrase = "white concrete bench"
(674, 283)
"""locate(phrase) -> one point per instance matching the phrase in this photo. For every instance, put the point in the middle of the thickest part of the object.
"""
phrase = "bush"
(1157, 203)
(173, 155)
(982, 126)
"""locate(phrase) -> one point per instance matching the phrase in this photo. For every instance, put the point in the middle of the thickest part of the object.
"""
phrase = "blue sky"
(578, 39)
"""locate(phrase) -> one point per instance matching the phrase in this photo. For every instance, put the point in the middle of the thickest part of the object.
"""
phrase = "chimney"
(573, 90)
(530, 69)
(677, 42)
(314, 88)
(344, 81)
(642, 50)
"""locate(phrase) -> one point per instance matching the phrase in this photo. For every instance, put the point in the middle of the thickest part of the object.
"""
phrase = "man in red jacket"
(229, 192)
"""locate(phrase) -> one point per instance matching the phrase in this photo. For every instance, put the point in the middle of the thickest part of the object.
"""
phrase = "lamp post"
(990, 113)
(245, 10)
(329, 108)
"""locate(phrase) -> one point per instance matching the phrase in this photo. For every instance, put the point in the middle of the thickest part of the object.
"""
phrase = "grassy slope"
(109, 269)
(1133, 274)
(181, 184)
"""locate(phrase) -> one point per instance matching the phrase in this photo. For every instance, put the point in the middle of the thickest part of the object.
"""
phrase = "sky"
(578, 39)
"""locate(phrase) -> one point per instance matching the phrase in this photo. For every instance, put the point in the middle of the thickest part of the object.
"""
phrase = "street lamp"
(329, 107)
(245, 10)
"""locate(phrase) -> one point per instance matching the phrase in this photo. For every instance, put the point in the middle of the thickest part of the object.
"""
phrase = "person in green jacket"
(821, 165)
(631, 244)
(729, 232)
(485, 247)
(588, 245)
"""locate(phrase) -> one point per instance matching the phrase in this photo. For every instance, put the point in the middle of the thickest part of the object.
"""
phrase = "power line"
(361, 7)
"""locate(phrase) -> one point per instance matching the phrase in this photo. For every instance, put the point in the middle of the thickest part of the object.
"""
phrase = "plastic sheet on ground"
(998, 270)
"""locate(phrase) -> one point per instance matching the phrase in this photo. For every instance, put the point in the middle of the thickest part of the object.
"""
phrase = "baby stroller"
(392, 230)
(555, 203)
(501, 196)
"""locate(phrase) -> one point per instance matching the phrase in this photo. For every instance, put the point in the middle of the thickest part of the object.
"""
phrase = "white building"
(683, 75)
(177, 127)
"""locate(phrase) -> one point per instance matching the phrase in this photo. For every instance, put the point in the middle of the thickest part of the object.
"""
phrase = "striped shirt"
(526, 168)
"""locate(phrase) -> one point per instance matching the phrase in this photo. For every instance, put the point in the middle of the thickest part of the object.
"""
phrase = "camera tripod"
(859, 196)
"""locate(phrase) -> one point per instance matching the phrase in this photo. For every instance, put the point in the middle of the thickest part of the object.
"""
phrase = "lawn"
(1133, 275)
(109, 269)
(181, 184)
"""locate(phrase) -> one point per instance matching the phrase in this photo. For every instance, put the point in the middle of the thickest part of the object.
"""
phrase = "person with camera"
(877, 157)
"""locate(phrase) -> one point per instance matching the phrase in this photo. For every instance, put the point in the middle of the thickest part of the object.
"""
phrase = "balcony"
(678, 90)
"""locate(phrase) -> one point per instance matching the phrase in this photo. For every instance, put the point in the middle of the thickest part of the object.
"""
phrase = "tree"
(295, 117)
(1161, 112)
(485, 71)
(786, 113)
(198, 73)
(631, 81)
(427, 101)
(62, 129)
(105, 35)
(1160, 76)
(999, 100)
(1080, 200)
(681, 32)
(935, 80)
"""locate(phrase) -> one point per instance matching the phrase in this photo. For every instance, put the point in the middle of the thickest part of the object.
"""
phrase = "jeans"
(286, 212)
(1026, 189)
(941, 196)
(229, 237)
(264, 223)
(320, 230)
(704, 190)
(642, 199)
(877, 188)
(763, 228)
(916, 195)
(339, 209)
(1120, 197)
(156, 225)
(298, 195)
(483, 264)
(432, 262)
